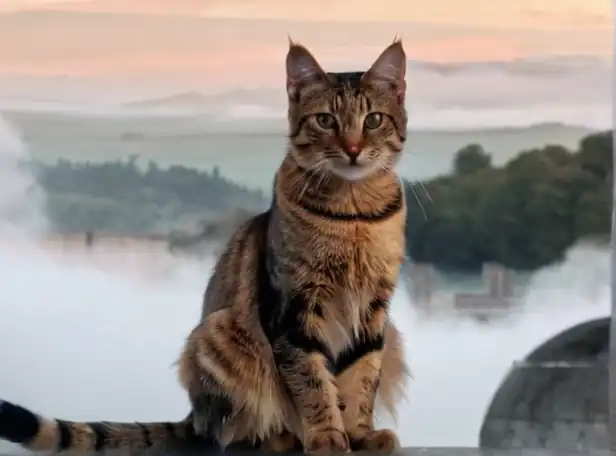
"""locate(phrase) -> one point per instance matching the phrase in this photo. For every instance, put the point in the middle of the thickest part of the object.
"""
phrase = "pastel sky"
(231, 41)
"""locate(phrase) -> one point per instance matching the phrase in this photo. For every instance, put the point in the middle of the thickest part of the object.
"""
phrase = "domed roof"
(557, 397)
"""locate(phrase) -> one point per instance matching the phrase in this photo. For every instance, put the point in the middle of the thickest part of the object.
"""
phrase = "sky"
(243, 41)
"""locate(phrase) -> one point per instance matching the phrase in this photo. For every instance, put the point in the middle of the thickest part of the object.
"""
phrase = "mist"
(569, 89)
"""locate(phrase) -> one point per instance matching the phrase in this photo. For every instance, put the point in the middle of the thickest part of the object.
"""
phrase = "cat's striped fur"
(295, 341)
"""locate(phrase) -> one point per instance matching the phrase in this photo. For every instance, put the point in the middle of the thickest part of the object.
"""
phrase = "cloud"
(479, 13)
(544, 67)
(119, 6)
(571, 17)
(117, 44)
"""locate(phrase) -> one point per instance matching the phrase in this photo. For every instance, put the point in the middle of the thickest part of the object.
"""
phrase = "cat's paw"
(380, 440)
(211, 415)
(282, 443)
(326, 442)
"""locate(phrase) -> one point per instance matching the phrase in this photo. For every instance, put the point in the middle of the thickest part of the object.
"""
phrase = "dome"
(556, 398)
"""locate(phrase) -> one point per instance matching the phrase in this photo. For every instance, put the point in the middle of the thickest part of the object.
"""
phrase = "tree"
(119, 196)
(471, 159)
(596, 155)
(524, 215)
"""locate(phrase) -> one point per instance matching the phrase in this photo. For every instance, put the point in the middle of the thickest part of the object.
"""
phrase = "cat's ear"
(389, 69)
(302, 68)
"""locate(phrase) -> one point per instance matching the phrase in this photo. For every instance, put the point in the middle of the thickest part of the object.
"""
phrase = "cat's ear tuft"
(389, 69)
(302, 68)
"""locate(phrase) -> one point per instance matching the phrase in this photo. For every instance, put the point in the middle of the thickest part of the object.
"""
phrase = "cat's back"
(234, 277)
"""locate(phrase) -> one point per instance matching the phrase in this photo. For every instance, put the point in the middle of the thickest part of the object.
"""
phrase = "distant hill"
(533, 68)
(545, 66)
(191, 99)
(198, 101)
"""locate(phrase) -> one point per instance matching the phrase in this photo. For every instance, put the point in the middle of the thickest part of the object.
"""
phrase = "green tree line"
(525, 214)
(121, 197)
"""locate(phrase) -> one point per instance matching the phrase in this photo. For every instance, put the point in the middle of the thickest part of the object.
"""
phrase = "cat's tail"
(37, 433)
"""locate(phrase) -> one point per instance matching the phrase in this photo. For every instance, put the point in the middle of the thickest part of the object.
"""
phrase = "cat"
(295, 342)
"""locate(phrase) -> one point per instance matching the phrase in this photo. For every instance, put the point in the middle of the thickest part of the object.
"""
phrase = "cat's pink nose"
(353, 149)
(352, 146)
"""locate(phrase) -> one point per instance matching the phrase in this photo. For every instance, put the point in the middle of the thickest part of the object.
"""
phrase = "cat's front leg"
(304, 362)
(358, 376)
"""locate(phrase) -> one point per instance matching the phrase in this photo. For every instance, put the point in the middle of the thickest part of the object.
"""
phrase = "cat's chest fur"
(358, 261)
(359, 257)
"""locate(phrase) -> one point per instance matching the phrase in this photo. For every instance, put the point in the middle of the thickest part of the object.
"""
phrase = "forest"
(121, 197)
(525, 214)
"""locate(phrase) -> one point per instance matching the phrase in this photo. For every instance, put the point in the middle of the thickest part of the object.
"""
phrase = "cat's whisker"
(421, 206)
(321, 179)
(304, 188)
(426, 192)
(318, 165)
(324, 176)
(310, 182)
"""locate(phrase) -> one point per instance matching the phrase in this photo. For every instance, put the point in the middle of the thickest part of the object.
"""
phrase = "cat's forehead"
(343, 92)
(346, 79)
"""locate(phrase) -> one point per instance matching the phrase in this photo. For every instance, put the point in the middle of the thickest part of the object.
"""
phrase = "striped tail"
(36, 433)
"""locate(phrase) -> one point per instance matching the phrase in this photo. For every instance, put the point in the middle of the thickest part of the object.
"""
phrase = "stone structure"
(497, 300)
(498, 297)
(422, 278)
(557, 397)
(499, 280)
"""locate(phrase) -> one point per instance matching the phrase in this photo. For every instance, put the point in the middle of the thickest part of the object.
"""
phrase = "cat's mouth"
(353, 171)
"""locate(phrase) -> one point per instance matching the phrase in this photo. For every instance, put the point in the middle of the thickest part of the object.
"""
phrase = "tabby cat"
(295, 343)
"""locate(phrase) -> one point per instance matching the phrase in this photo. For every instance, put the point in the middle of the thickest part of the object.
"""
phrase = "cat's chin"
(353, 173)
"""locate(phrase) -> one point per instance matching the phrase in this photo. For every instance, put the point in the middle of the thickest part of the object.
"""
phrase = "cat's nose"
(352, 148)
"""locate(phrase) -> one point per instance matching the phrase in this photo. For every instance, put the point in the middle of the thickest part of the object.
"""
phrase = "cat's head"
(348, 124)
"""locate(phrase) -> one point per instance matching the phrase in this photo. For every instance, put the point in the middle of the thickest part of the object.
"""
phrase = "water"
(86, 343)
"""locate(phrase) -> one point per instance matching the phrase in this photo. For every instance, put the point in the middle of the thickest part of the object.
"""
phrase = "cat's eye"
(373, 120)
(326, 121)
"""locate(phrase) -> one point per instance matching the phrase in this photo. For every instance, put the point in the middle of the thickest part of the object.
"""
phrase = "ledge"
(402, 452)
